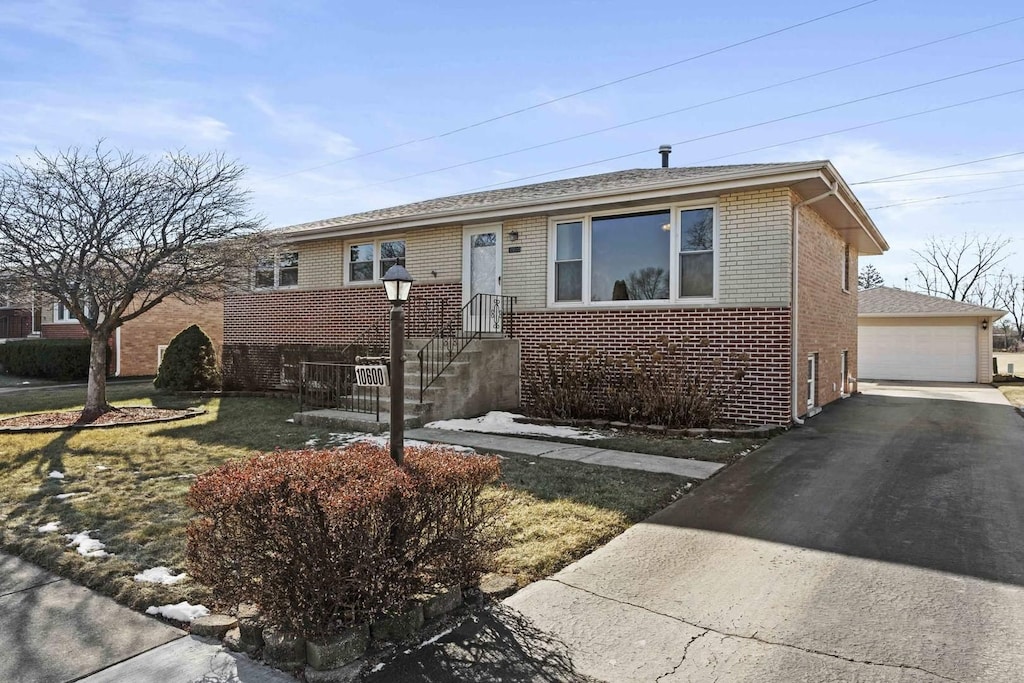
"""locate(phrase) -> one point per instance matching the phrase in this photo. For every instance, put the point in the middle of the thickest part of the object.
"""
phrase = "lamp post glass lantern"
(397, 284)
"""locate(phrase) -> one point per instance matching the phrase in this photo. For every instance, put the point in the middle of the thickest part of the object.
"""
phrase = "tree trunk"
(96, 393)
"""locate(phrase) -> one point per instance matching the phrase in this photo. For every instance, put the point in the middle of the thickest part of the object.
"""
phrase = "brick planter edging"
(338, 658)
(188, 413)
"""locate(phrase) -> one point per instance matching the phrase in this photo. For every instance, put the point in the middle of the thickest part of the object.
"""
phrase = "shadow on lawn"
(258, 424)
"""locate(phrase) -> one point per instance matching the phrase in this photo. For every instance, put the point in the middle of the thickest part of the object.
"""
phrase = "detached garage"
(908, 336)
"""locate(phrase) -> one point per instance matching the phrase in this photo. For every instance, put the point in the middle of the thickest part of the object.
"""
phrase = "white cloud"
(300, 127)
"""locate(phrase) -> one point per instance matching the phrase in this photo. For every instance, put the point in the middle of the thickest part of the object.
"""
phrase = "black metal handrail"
(484, 315)
(333, 385)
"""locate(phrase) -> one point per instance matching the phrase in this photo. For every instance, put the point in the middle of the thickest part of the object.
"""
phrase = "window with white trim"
(617, 257)
(368, 261)
(846, 267)
(277, 271)
(62, 314)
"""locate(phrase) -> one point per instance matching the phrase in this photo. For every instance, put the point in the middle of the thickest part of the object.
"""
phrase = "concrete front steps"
(484, 377)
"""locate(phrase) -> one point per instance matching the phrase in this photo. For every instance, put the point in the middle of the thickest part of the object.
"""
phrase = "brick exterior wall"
(827, 317)
(754, 235)
(15, 323)
(141, 336)
(260, 328)
(762, 333)
(62, 331)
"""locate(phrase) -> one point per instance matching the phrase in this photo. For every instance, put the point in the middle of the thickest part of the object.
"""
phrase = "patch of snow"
(102, 468)
(182, 611)
(290, 420)
(86, 545)
(65, 496)
(49, 527)
(434, 639)
(186, 476)
(56, 475)
(23, 383)
(500, 422)
(341, 439)
(377, 667)
(718, 441)
(160, 575)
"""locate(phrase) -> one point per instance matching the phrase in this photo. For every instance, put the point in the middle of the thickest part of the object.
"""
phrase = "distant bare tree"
(647, 283)
(956, 267)
(1010, 298)
(869, 278)
(110, 235)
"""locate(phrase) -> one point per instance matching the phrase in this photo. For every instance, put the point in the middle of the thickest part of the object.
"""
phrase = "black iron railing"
(485, 315)
(333, 385)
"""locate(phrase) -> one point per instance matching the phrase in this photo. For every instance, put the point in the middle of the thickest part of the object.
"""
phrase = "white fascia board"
(982, 313)
(651, 192)
(853, 206)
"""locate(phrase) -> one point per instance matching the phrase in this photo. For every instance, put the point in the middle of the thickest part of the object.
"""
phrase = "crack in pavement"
(33, 587)
(727, 634)
(682, 659)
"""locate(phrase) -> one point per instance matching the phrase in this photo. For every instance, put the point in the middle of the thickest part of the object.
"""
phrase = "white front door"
(481, 274)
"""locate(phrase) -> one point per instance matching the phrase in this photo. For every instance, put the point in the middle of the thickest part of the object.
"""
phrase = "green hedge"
(59, 359)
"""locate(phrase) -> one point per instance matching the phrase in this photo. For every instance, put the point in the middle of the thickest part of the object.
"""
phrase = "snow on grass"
(56, 475)
(342, 439)
(86, 545)
(182, 611)
(49, 527)
(102, 468)
(161, 575)
(499, 422)
(66, 496)
(718, 441)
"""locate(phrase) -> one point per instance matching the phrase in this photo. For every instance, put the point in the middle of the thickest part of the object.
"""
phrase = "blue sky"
(293, 90)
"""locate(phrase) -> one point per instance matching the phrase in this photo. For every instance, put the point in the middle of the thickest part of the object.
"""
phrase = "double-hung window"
(277, 271)
(645, 256)
(62, 314)
(369, 261)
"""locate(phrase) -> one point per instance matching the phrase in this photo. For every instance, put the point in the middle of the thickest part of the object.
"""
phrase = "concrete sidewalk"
(507, 445)
(55, 631)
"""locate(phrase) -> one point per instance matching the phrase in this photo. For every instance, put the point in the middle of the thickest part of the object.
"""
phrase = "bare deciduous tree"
(1010, 298)
(957, 267)
(110, 235)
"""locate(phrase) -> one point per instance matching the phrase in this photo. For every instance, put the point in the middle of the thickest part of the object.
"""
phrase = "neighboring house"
(17, 314)
(759, 259)
(138, 345)
(909, 336)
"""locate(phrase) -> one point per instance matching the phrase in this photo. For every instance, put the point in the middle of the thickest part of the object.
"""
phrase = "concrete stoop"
(484, 377)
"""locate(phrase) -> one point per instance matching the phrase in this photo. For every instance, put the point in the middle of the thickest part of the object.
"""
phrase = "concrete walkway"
(507, 445)
(55, 631)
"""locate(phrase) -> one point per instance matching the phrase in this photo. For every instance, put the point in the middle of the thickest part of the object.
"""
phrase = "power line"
(940, 177)
(680, 110)
(584, 91)
(945, 196)
(766, 147)
(938, 168)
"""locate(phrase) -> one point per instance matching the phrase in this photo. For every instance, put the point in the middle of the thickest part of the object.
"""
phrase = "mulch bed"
(126, 415)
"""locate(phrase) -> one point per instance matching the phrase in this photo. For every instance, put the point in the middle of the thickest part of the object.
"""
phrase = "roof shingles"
(883, 301)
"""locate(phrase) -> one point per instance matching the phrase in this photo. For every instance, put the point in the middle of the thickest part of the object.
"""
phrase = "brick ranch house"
(760, 259)
(138, 345)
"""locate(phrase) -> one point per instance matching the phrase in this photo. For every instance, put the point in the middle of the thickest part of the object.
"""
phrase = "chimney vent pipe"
(665, 150)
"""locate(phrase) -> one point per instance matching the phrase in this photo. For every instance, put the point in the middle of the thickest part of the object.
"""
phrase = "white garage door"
(925, 353)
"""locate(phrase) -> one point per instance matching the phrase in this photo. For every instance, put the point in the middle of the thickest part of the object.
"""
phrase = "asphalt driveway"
(882, 541)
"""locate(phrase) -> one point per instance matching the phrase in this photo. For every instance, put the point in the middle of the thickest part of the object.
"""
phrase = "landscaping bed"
(125, 489)
(126, 415)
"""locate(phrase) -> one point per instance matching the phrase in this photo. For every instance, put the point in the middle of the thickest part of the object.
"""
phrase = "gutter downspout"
(796, 295)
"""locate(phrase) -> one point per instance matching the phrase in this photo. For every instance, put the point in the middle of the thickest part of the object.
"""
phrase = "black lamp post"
(397, 283)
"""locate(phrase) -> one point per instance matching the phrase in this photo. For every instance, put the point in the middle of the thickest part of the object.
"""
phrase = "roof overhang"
(981, 313)
(842, 209)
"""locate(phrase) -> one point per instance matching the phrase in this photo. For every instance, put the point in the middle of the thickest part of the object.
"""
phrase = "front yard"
(126, 486)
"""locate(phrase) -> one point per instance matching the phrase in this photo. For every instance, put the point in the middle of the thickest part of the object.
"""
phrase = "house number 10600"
(371, 375)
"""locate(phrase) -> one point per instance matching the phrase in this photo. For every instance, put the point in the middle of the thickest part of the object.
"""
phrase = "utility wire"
(941, 177)
(945, 196)
(584, 91)
(938, 168)
(783, 118)
(653, 117)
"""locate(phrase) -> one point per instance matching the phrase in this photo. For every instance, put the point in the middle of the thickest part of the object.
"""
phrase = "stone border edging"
(758, 432)
(188, 413)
